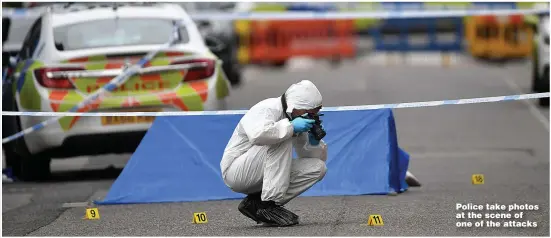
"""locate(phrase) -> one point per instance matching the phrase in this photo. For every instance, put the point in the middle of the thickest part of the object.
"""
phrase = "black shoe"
(249, 206)
(273, 215)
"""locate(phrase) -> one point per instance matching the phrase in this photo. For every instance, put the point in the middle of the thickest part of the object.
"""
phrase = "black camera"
(316, 130)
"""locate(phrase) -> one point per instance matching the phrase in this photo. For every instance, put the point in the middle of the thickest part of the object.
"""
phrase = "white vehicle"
(540, 69)
(98, 41)
(223, 31)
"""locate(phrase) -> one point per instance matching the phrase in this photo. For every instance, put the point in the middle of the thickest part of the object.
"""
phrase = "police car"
(540, 62)
(98, 41)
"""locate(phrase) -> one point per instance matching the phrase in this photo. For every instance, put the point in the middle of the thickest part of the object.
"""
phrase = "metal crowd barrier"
(277, 41)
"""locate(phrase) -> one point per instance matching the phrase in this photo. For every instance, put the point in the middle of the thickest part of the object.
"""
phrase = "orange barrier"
(277, 41)
(499, 37)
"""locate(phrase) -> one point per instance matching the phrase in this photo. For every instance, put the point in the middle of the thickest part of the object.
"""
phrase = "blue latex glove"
(302, 125)
(313, 140)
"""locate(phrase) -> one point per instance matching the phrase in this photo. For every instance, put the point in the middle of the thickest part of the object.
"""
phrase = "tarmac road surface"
(508, 142)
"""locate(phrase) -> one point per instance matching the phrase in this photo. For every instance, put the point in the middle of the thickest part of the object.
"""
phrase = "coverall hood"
(303, 95)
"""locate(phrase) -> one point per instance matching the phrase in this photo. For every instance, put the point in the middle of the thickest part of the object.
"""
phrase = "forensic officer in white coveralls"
(258, 159)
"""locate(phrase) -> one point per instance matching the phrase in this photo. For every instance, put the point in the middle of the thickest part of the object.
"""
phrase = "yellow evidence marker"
(478, 179)
(200, 218)
(92, 214)
(375, 220)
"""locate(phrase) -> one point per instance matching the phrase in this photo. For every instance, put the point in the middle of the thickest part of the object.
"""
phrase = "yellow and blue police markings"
(186, 96)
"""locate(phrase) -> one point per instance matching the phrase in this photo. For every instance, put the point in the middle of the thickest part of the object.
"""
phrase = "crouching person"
(258, 159)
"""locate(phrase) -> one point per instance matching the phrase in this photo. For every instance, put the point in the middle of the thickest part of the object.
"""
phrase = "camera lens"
(318, 132)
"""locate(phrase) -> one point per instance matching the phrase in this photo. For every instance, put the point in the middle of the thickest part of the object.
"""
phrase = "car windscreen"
(115, 32)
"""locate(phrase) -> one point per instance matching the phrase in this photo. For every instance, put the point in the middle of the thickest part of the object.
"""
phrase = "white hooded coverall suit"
(259, 156)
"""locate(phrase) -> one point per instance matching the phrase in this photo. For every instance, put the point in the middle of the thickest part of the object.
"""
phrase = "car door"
(29, 46)
(10, 124)
(24, 61)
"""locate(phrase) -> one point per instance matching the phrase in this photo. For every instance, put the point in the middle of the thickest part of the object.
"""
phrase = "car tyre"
(535, 74)
(24, 165)
(35, 168)
(543, 86)
(233, 74)
(544, 102)
(231, 67)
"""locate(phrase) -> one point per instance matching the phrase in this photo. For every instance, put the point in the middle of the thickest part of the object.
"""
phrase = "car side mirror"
(13, 61)
(214, 44)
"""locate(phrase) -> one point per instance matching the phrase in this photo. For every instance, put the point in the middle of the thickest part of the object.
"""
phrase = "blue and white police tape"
(359, 15)
(326, 109)
(305, 15)
(110, 86)
(237, 112)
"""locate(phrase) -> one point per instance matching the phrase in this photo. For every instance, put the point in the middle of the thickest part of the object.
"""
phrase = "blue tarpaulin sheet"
(178, 160)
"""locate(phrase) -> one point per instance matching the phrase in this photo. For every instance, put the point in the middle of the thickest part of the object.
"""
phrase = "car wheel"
(24, 165)
(232, 73)
(544, 102)
(233, 69)
(234, 76)
(34, 168)
(543, 86)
